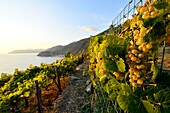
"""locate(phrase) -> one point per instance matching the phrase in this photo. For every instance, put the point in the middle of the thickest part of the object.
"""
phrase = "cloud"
(88, 28)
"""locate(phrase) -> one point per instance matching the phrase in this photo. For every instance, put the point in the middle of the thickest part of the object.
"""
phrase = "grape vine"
(126, 66)
(21, 85)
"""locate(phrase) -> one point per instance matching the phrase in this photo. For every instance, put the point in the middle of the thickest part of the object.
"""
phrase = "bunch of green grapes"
(139, 51)
(148, 12)
(137, 60)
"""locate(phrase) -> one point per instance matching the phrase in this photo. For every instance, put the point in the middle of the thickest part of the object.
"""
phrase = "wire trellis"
(127, 13)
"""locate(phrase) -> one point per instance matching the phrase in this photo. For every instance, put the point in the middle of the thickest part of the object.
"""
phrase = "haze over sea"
(8, 62)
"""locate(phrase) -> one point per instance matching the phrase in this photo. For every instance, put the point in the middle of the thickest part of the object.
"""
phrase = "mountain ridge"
(26, 51)
(73, 47)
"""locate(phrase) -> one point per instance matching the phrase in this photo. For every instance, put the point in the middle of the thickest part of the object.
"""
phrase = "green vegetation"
(19, 87)
(124, 68)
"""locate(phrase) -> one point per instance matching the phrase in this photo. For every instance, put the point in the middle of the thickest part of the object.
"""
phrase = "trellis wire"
(128, 10)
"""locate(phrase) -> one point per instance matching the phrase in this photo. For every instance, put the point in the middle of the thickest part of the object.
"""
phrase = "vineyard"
(124, 64)
(126, 68)
(17, 91)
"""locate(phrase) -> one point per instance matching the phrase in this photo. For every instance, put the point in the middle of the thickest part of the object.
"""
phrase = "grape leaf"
(110, 65)
(114, 87)
(162, 95)
(158, 30)
(162, 99)
(131, 103)
(110, 85)
(121, 65)
(152, 21)
(160, 4)
(149, 107)
(125, 88)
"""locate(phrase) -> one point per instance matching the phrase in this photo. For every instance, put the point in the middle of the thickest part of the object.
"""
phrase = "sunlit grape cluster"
(139, 51)
(137, 60)
(148, 12)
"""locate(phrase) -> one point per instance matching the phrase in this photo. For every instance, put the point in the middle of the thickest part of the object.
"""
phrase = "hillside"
(74, 47)
(26, 51)
(81, 45)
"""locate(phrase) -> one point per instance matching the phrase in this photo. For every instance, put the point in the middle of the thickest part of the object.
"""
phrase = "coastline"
(22, 61)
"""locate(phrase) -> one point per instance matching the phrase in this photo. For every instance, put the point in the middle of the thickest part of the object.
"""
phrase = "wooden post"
(58, 80)
(26, 102)
(38, 94)
(163, 54)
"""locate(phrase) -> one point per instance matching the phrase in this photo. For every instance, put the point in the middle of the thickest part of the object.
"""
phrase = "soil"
(74, 96)
(72, 99)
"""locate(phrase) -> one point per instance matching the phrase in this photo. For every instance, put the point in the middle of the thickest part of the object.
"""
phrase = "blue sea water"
(8, 62)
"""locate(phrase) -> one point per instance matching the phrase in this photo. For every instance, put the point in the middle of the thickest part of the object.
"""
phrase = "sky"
(41, 24)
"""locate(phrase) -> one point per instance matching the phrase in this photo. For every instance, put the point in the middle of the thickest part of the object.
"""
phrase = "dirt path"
(72, 98)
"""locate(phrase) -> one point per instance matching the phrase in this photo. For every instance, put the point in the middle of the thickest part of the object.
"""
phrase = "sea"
(8, 62)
